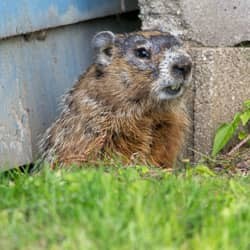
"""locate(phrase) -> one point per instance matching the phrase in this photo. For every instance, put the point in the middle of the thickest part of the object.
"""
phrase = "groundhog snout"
(181, 68)
(175, 75)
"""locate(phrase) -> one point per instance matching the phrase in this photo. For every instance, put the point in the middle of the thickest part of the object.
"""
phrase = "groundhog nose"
(182, 68)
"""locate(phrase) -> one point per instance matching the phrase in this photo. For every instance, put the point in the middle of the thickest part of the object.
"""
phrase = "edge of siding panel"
(21, 17)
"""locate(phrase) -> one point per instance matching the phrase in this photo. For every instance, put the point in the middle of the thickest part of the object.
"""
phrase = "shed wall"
(36, 69)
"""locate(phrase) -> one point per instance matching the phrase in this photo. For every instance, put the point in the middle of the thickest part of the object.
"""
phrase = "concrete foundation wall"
(221, 82)
(221, 73)
(206, 22)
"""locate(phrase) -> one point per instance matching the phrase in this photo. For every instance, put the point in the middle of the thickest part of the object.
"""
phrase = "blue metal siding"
(23, 16)
(34, 74)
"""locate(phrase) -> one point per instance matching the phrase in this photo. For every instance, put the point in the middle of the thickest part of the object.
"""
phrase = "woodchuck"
(128, 103)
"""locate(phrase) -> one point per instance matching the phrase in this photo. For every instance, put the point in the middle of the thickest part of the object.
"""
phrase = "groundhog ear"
(102, 44)
(103, 40)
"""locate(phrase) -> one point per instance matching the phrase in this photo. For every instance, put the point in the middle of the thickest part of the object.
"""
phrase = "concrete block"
(222, 82)
(207, 22)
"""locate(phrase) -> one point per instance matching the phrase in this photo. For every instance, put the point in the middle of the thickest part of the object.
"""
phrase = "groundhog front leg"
(165, 150)
(68, 142)
(167, 141)
(81, 153)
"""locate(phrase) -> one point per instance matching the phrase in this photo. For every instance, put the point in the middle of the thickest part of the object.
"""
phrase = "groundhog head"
(139, 68)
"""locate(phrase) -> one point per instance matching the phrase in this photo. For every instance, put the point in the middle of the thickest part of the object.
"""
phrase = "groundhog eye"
(142, 53)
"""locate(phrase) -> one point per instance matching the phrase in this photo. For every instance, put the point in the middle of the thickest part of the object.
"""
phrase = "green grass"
(123, 208)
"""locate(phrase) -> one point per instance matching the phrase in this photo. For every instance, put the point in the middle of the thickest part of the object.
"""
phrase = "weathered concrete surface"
(222, 82)
(206, 22)
(221, 76)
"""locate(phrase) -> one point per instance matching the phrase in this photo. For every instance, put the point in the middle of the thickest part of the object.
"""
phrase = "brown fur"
(111, 112)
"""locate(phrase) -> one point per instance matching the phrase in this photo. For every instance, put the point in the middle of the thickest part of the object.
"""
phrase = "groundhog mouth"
(173, 89)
